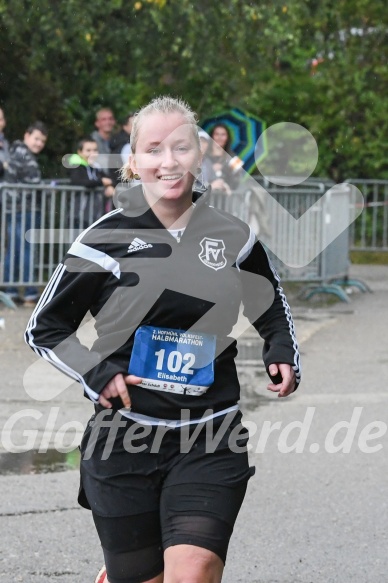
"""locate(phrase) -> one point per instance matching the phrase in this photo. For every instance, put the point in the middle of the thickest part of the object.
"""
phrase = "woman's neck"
(172, 214)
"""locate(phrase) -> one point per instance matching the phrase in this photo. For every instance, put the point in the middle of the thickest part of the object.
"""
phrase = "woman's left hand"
(288, 382)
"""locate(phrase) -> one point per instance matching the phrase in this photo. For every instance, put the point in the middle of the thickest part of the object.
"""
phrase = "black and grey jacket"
(22, 168)
(129, 271)
(4, 154)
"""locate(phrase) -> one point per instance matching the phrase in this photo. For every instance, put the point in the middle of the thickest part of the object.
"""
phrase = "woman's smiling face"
(167, 156)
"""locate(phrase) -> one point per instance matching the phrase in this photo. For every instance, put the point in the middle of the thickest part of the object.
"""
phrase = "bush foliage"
(319, 63)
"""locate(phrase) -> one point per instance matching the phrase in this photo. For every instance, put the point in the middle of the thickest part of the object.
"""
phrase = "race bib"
(173, 360)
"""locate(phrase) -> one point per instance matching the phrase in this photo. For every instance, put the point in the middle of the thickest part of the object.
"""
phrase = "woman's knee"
(191, 564)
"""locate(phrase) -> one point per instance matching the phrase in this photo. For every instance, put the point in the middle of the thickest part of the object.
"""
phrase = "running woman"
(164, 465)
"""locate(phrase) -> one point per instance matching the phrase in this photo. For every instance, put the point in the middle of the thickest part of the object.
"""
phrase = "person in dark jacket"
(164, 276)
(83, 171)
(23, 203)
(120, 146)
(4, 146)
(121, 138)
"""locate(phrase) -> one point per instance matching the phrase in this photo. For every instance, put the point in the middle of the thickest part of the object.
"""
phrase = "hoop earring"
(200, 183)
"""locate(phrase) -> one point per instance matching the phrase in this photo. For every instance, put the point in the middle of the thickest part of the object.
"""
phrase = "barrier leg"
(346, 282)
(7, 301)
(326, 288)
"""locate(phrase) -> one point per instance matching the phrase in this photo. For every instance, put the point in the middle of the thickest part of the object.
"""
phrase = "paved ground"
(316, 516)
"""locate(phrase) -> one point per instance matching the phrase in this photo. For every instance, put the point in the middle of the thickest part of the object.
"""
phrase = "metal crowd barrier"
(309, 250)
(370, 231)
(299, 250)
(57, 213)
(54, 214)
(236, 204)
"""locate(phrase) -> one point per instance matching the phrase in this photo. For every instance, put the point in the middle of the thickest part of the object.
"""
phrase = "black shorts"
(171, 490)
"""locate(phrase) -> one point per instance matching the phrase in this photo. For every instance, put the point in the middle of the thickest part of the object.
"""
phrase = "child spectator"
(84, 172)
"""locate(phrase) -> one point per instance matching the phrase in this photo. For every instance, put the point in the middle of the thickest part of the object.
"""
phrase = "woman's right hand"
(220, 184)
(117, 387)
(109, 191)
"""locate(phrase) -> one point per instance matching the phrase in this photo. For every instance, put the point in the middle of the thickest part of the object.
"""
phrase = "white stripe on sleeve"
(297, 366)
(103, 259)
(47, 353)
(244, 252)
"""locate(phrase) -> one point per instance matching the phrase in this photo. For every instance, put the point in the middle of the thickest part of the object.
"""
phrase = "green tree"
(60, 61)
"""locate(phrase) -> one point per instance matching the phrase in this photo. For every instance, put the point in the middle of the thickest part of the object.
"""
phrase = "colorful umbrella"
(245, 129)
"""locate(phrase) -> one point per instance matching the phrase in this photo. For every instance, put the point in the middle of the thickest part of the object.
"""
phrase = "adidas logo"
(138, 245)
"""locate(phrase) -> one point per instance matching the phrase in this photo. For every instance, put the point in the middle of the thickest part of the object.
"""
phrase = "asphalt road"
(316, 510)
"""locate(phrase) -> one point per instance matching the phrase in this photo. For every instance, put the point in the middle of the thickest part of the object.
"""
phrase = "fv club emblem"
(212, 253)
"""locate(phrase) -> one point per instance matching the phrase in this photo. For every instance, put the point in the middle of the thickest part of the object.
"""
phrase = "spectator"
(23, 168)
(203, 180)
(4, 146)
(122, 138)
(224, 175)
(120, 146)
(105, 122)
(84, 172)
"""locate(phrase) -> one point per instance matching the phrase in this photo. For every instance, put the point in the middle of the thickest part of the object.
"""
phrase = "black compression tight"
(127, 564)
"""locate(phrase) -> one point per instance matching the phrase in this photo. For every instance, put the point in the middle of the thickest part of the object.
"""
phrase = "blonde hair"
(163, 104)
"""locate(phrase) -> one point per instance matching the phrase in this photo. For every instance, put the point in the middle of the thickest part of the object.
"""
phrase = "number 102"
(175, 360)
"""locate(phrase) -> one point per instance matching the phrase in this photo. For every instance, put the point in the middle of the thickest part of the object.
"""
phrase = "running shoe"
(101, 577)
